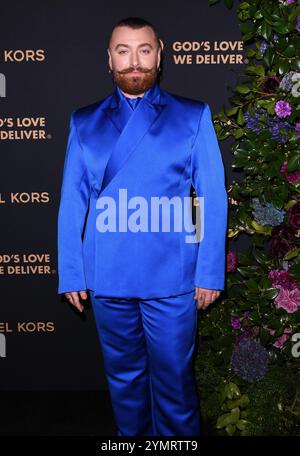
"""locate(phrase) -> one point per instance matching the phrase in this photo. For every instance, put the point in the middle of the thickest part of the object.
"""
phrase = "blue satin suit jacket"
(164, 146)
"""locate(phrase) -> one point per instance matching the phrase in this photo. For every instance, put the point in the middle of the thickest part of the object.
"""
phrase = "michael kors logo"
(27, 55)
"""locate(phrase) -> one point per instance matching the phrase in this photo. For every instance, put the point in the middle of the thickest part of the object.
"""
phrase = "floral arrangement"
(248, 367)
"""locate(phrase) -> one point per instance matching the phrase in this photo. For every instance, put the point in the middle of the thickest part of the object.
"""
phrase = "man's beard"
(135, 84)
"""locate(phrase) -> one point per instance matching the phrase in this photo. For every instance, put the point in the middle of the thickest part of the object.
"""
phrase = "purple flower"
(280, 129)
(298, 23)
(263, 47)
(280, 341)
(252, 122)
(231, 262)
(270, 84)
(281, 236)
(297, 128)
(249, 360)
(288, 300)
(294, 215)
(282, 278)
(247, 333)
(283, 108)
(235, 322)
(290, 177)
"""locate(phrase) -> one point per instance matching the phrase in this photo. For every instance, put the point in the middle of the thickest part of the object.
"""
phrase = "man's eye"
(146, 51)
(120, 52)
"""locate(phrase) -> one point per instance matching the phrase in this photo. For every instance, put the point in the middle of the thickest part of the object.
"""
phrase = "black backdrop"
(53, 59)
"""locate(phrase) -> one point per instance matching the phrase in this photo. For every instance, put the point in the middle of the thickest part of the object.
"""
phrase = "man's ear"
(109, 59)
(159, 52)
(158, 58)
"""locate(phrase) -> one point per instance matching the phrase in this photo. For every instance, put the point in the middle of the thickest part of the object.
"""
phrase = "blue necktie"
(133, 102)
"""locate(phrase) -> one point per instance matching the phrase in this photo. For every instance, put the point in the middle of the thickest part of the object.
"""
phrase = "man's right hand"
(73, 298)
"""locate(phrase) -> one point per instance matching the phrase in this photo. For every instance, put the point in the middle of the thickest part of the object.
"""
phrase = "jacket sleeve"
(208, 180)
(72, 211)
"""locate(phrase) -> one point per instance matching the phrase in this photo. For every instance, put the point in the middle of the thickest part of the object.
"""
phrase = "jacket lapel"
(132, 127)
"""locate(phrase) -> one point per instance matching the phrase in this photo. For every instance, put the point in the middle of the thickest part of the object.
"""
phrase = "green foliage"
(273, 403)
(267, 151)
(233, 403)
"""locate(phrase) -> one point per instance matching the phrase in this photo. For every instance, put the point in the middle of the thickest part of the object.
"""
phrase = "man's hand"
(205, 297)
(73, 298)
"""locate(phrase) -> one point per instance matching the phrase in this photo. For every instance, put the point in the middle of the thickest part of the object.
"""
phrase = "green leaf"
(235, 415)
(232, 390)
(228, 418)
(284, 66)
(232, 404)
(250, 52)
(242, 89)
(260, 228)
(230, 429)
(244, 271)
(260, 70)
(244, 5)
(265, 336)
(245, 27)
(240, 118)
(230, 112)
(259, 256)
(289, 51)
(258, 15)
(244, 400)
(223, 421)
(293, 163)
(281, 28)
(295, 65)
(241, 424)
(265, 30)
(274, 323)
(238, 133)
(254, 317)
(268, 57)
(252, 284)
(293, 253)
(269, 294)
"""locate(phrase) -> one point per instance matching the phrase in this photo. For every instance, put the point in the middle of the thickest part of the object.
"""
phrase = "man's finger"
(76, 301)
(210, 298)
(83, 294)
(73, 298)
(205, 297)
(200, 300)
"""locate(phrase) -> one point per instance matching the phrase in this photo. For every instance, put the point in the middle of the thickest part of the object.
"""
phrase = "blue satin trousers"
(147, 347)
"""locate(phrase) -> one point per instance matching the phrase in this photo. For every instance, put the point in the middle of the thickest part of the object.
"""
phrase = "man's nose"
(135, 60)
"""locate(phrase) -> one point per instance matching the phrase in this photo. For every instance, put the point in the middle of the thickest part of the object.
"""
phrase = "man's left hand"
(205, 297)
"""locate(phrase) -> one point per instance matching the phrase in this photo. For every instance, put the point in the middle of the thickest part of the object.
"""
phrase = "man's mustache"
(141, 69)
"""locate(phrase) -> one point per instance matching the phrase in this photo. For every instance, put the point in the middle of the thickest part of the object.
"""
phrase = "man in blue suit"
(130, 158)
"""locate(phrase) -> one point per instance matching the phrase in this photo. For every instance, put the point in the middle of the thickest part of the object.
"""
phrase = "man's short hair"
(135, 23)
